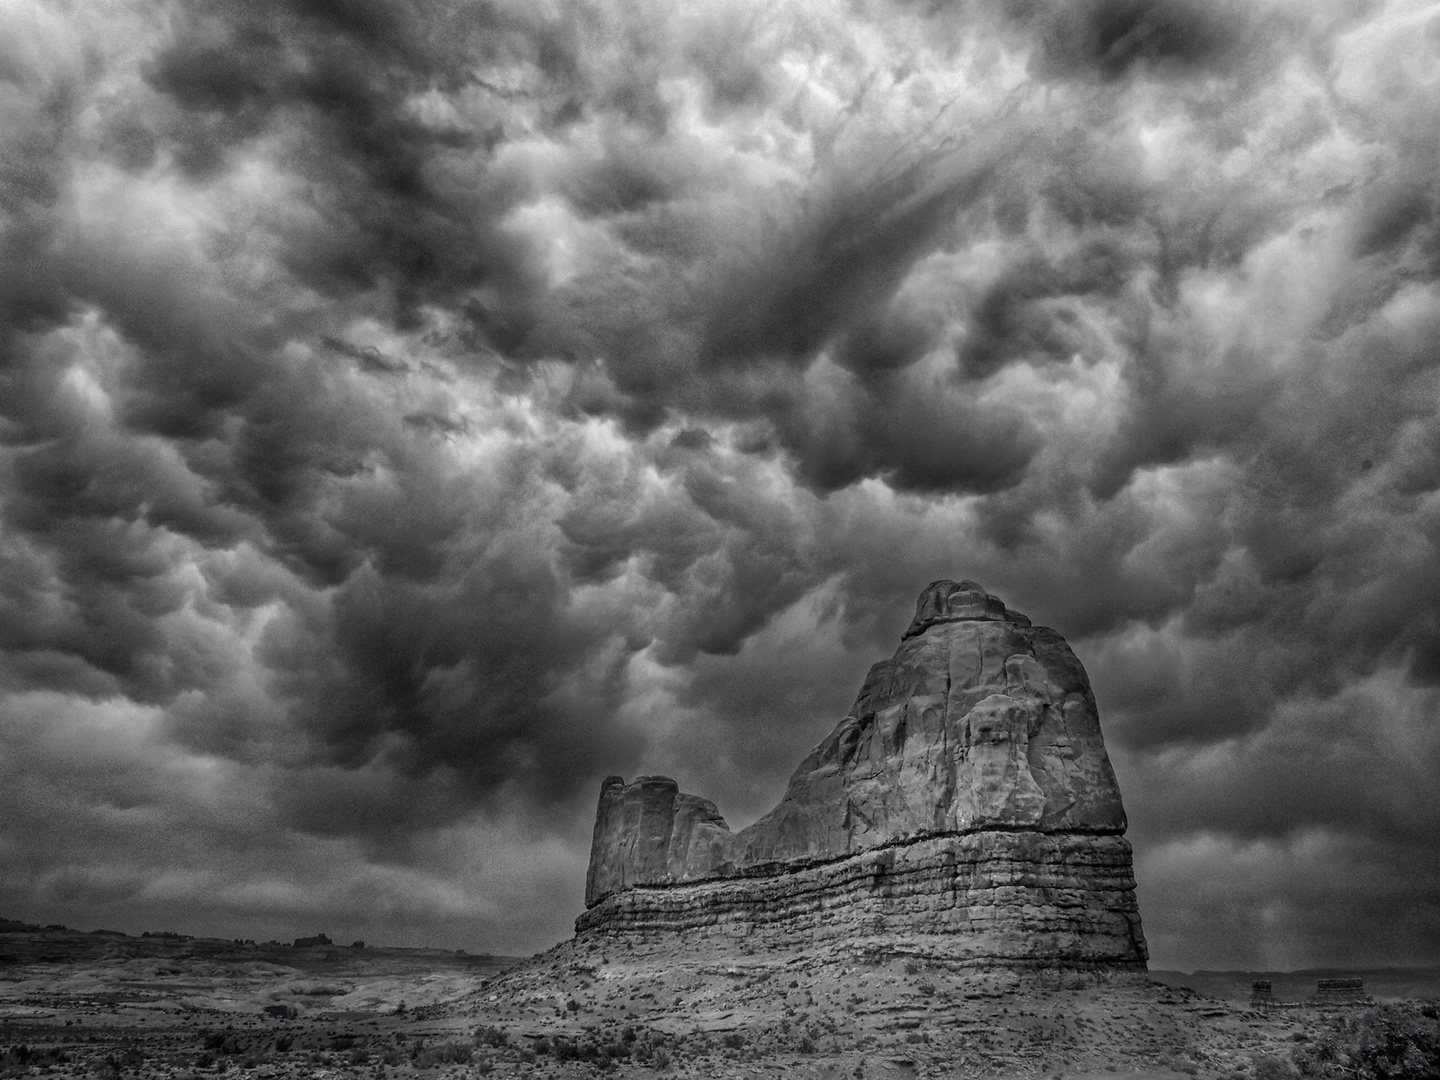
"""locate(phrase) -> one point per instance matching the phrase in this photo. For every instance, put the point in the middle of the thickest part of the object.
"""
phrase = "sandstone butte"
(964, 812)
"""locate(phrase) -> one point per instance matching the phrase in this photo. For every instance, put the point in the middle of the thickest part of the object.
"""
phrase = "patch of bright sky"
(37, 46)
(1289, 284)
(98, 744)
(556, 235)
(753, 150)
(872, 508)
(1081, 400)
(164, 219)
(83, 385)
(1412, 313)
(1168, 147)
(436, 110)
(1272, 301)
(1185, 504)
(1390, 56)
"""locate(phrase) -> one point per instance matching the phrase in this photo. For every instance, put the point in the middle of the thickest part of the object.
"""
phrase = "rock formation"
(964, 810)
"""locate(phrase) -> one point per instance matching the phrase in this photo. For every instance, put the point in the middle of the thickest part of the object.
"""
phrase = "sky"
(412, 413)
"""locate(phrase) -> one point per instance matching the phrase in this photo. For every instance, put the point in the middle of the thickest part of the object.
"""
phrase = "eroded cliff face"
(649, 832)
(978, 745)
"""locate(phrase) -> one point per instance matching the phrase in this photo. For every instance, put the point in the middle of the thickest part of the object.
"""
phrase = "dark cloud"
(849, 253)
(410, 414)
(920, 434)
(1110, 38)
(1030, 314)
(341, 88)
(885, 341)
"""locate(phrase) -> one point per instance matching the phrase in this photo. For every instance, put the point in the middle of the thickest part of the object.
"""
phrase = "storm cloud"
(411, 413)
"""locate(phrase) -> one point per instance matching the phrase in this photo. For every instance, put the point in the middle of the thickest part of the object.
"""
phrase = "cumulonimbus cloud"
(411, 413)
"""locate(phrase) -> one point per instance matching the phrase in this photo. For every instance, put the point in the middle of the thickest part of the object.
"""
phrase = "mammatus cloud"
(411, 413)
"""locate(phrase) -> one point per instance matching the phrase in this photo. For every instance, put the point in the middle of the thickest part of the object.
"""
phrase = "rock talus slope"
(965, 810)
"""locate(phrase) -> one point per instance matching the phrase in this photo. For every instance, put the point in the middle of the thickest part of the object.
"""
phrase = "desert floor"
(103, 1004)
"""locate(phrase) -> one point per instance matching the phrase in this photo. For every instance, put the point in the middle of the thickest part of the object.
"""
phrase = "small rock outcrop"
(1339, 991)
(964, 810)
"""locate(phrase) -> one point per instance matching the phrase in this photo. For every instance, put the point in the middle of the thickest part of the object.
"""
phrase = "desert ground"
(105, 1004)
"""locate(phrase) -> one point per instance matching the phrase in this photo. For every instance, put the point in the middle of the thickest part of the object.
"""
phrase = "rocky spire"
(981, 727)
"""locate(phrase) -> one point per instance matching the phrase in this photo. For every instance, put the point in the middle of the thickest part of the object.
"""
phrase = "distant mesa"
(1339, 991)
(312, 942)
(1328, 992)
(964, 810)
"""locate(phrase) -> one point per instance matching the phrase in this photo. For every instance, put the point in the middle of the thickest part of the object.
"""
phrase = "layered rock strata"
(965, 809)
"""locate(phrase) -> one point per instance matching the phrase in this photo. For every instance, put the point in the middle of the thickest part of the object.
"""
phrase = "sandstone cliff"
(967, 793)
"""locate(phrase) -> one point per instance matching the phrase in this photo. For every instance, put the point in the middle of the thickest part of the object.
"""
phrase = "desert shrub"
(649, 1044)
(451, 1053)
(24, 1055)
(1388, 1042)
(222, 1042)
(734, 1040)
(19, 1059)
(491, 1036)
(1269, 1067)
(595, 1051)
